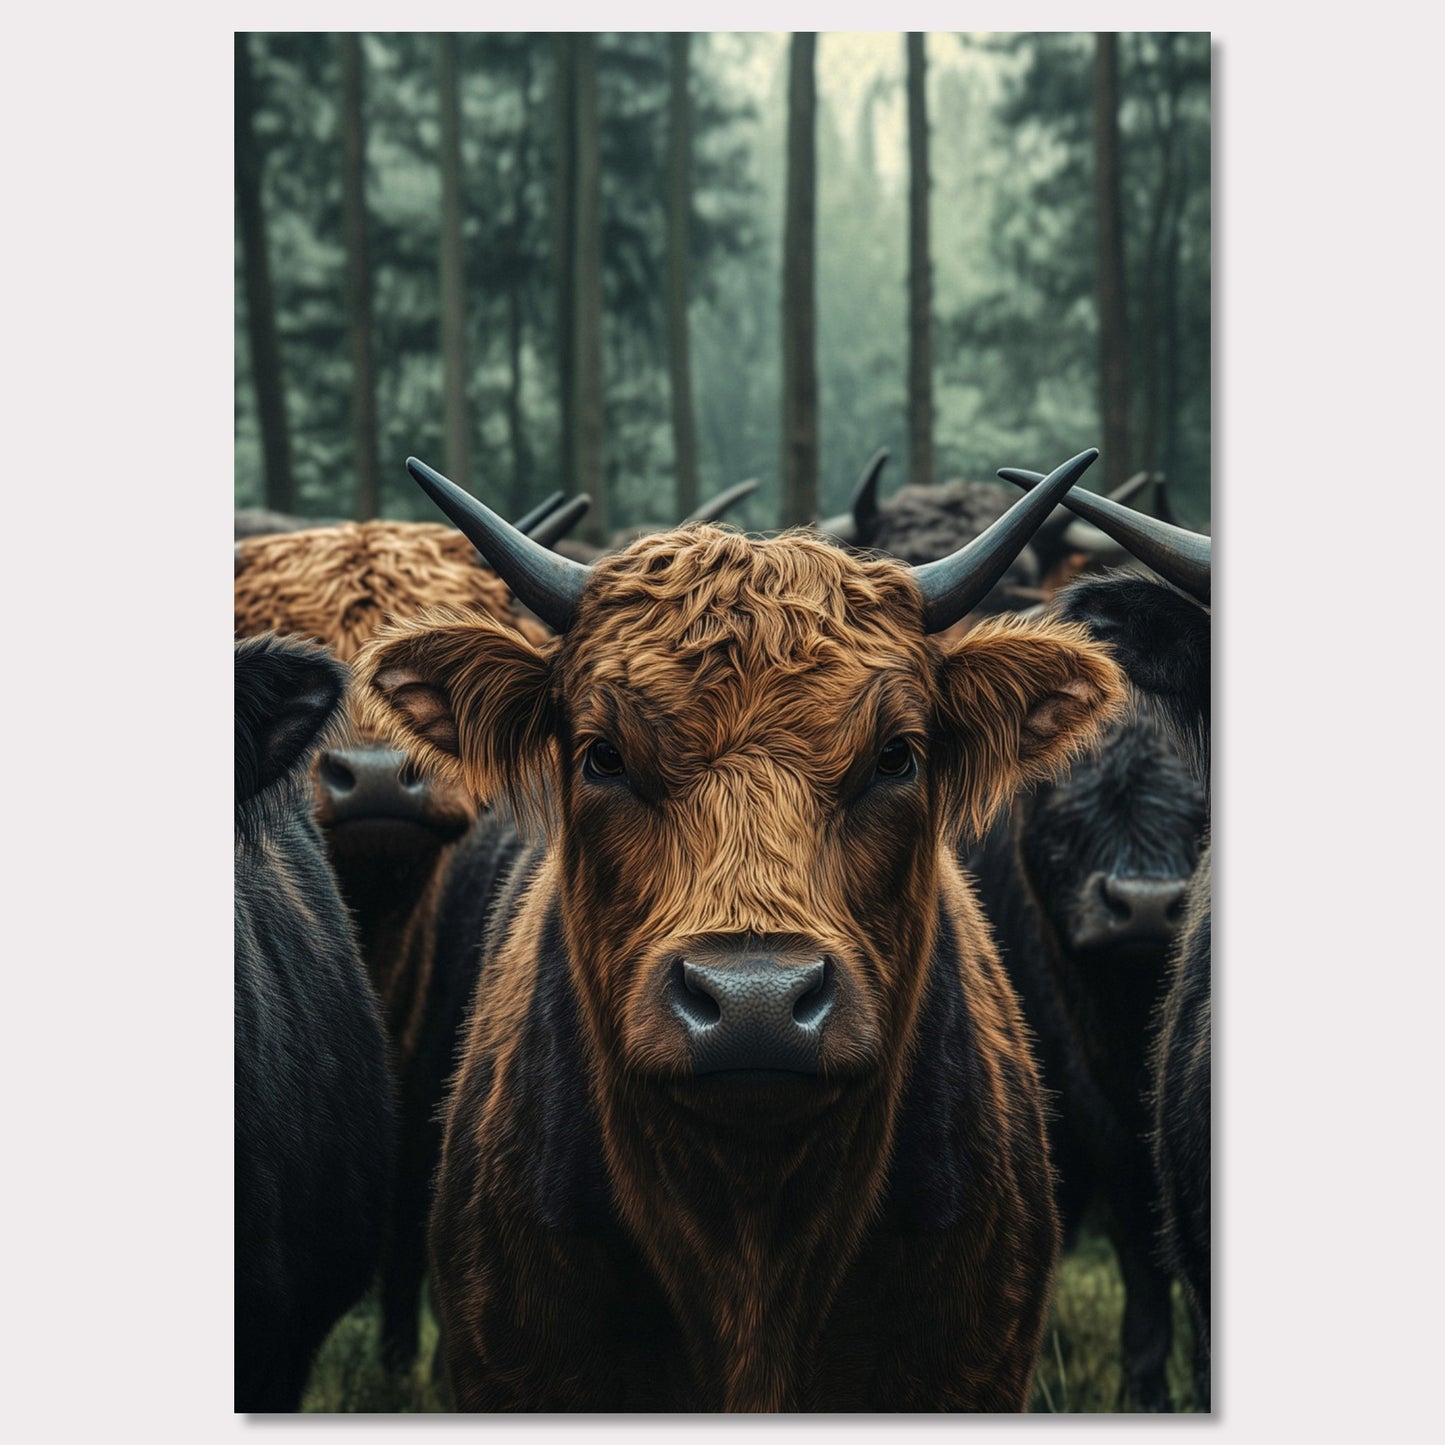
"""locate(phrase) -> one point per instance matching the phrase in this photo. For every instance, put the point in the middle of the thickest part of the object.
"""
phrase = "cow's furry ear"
(469, 698)
(288, 692)
(1161, 640)
(1018, 701)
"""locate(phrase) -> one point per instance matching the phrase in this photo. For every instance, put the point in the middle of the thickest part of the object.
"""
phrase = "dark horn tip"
(1178, 555)
(955, 584)
(714, 508)
(865, 495)
(1021, 476)
(538, 514)
(549, 584)
(553, 528)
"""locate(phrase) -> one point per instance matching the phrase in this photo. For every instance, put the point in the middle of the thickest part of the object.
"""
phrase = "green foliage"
(633, 79)
(1019, 356)
(1015, 328)
(348, 1375)
(1080, 1367)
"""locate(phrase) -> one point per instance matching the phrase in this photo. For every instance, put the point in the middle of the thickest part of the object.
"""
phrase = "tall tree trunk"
(679, 208)
(564, 242)
(266, 376)
(920, 276)
(800, 361)
(358, 281)
(1155, 272)
(516, 412)
(456, 419)
(521, 199)
(1113, 310)
(587, 468)
(1169, 330)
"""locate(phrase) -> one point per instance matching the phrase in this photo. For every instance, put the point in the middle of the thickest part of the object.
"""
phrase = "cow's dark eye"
(896, 760)
(603, 760)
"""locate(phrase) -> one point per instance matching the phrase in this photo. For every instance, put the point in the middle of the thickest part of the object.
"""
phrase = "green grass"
(1080, 1369)
(348, 1375)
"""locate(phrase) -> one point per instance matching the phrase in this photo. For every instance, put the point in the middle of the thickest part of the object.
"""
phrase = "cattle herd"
(729, 967)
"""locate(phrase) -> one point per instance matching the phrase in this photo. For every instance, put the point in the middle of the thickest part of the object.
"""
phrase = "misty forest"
(557, 260)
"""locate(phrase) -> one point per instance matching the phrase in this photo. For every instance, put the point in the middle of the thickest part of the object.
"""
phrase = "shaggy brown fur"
(339, 584)
(763, 1258)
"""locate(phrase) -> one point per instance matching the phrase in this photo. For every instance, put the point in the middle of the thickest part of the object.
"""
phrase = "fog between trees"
(610, 246)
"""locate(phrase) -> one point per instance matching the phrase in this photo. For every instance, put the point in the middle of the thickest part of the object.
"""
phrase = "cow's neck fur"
(750, 1285)
(750, 1233)
(393, 899)
(749, 1279)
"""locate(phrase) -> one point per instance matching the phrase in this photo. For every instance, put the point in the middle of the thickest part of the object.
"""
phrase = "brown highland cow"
(747, 1117)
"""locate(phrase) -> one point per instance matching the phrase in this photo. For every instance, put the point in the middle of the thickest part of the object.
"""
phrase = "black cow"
(1161, 636)
(918, 523)
(1084, 883)
(1180, 1078)
(313, 1094)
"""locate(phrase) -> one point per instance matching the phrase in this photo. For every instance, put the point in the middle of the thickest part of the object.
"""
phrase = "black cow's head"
(1108, 850)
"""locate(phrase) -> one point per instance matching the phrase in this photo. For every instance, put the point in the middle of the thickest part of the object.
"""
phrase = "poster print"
(722, 879)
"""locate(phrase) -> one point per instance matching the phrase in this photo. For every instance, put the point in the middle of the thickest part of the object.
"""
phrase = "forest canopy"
(548, 260)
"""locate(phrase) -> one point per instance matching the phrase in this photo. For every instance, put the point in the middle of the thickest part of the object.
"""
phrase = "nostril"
(696, 1007)
(410, 776)
(1115, 905)
(812, 1006)
(1175, 911)
(336, 775)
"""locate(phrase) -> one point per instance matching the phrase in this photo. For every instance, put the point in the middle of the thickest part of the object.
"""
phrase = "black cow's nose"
(371, 783)
(752, 1010)
(1146, 905)
(1120, 909)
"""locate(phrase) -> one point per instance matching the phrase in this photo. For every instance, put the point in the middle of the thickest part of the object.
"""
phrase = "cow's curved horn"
(552, 529)
(1059, 529)
(551, 585)
(865, 495)
(956, 584)
(543, 509)
(1082, 536)
(712, 509)
(850, 526)
(1177, 555)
